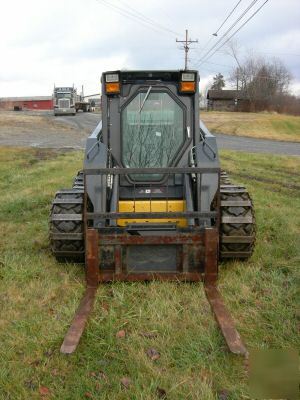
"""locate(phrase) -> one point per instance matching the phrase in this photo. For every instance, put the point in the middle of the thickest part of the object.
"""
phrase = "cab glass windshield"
(152, 131)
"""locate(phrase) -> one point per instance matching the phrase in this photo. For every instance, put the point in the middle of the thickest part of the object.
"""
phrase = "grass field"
(258, 125)
(38, 297)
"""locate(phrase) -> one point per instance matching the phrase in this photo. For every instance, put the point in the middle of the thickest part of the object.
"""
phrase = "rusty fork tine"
(224, 320)
(222, 315)
(76, 329)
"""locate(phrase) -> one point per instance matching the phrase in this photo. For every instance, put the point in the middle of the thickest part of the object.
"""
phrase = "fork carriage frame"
(207, 237)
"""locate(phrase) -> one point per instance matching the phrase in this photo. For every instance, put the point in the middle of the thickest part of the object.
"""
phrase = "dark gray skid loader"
(151, 201)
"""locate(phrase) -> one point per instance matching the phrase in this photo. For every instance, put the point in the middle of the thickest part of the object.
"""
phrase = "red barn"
(26, 103)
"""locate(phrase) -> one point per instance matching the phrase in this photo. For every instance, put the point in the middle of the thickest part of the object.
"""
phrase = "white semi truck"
(67, 101)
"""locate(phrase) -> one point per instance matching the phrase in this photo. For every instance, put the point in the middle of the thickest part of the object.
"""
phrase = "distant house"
(227, 100)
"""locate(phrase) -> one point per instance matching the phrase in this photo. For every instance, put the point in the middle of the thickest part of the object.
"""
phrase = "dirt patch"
(39, 155)
(41, 130)
(45, 154)
(27, 122)
(280, 171)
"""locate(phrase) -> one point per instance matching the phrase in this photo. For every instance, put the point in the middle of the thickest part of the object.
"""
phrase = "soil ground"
(32, 129)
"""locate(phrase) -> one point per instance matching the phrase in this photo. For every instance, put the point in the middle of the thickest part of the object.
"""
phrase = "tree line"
(265, 84)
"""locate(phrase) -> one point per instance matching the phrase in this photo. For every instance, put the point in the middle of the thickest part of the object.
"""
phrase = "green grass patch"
(38, 296)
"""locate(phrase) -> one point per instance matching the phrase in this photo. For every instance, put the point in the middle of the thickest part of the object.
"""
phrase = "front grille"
(64, 103)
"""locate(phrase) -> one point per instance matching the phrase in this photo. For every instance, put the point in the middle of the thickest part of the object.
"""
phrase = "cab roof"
(153, 75)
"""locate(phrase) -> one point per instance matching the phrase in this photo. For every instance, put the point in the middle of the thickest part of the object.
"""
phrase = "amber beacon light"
(187, 82)
(112, 83)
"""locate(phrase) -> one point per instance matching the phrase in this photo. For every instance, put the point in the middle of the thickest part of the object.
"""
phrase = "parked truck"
(67, 101)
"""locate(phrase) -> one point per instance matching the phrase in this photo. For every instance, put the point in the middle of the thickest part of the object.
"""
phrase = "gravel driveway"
(257, 145)
(42, 129)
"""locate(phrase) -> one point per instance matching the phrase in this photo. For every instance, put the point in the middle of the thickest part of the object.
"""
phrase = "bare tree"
(264, 82)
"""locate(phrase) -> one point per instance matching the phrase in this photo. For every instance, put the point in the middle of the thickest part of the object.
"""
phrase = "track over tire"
(78, 182)
(66, 223)
(237, 232)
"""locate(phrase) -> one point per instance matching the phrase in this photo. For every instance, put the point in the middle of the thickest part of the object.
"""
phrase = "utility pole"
(186, 47)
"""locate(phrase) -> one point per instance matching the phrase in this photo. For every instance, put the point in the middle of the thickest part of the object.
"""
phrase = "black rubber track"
(237, 239)
(66, 235)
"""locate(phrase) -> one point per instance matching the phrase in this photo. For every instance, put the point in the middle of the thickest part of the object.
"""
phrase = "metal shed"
(26, 103)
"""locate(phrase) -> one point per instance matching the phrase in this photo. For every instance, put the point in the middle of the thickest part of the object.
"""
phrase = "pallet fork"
(210, 239)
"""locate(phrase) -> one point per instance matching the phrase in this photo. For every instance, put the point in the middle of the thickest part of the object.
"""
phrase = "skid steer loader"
(151, 201)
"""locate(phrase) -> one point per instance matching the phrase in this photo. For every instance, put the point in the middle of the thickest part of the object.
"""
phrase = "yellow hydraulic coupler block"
(152, 206)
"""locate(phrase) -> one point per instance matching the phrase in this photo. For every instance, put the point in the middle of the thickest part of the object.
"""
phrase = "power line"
(133, 15)
(234, 33)
(229, 15)
(138, 13)
(129, 15)
(124, 14)
(221, 65)
(216, 33)
(229, 29)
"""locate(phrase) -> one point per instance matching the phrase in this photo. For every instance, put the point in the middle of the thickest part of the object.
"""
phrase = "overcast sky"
(72, 41)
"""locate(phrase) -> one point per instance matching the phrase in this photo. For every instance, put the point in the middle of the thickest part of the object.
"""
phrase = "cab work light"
(188, 77)
(112, 78)
(112, 83)
(187, 82)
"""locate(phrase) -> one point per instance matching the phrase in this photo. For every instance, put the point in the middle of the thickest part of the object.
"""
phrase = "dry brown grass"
(28, 122)
(257, 125)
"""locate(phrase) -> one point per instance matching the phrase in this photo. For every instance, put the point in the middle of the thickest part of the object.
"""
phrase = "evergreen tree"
(219, 82)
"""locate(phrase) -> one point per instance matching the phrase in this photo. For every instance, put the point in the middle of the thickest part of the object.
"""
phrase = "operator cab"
(150, 120)
(150, 117)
